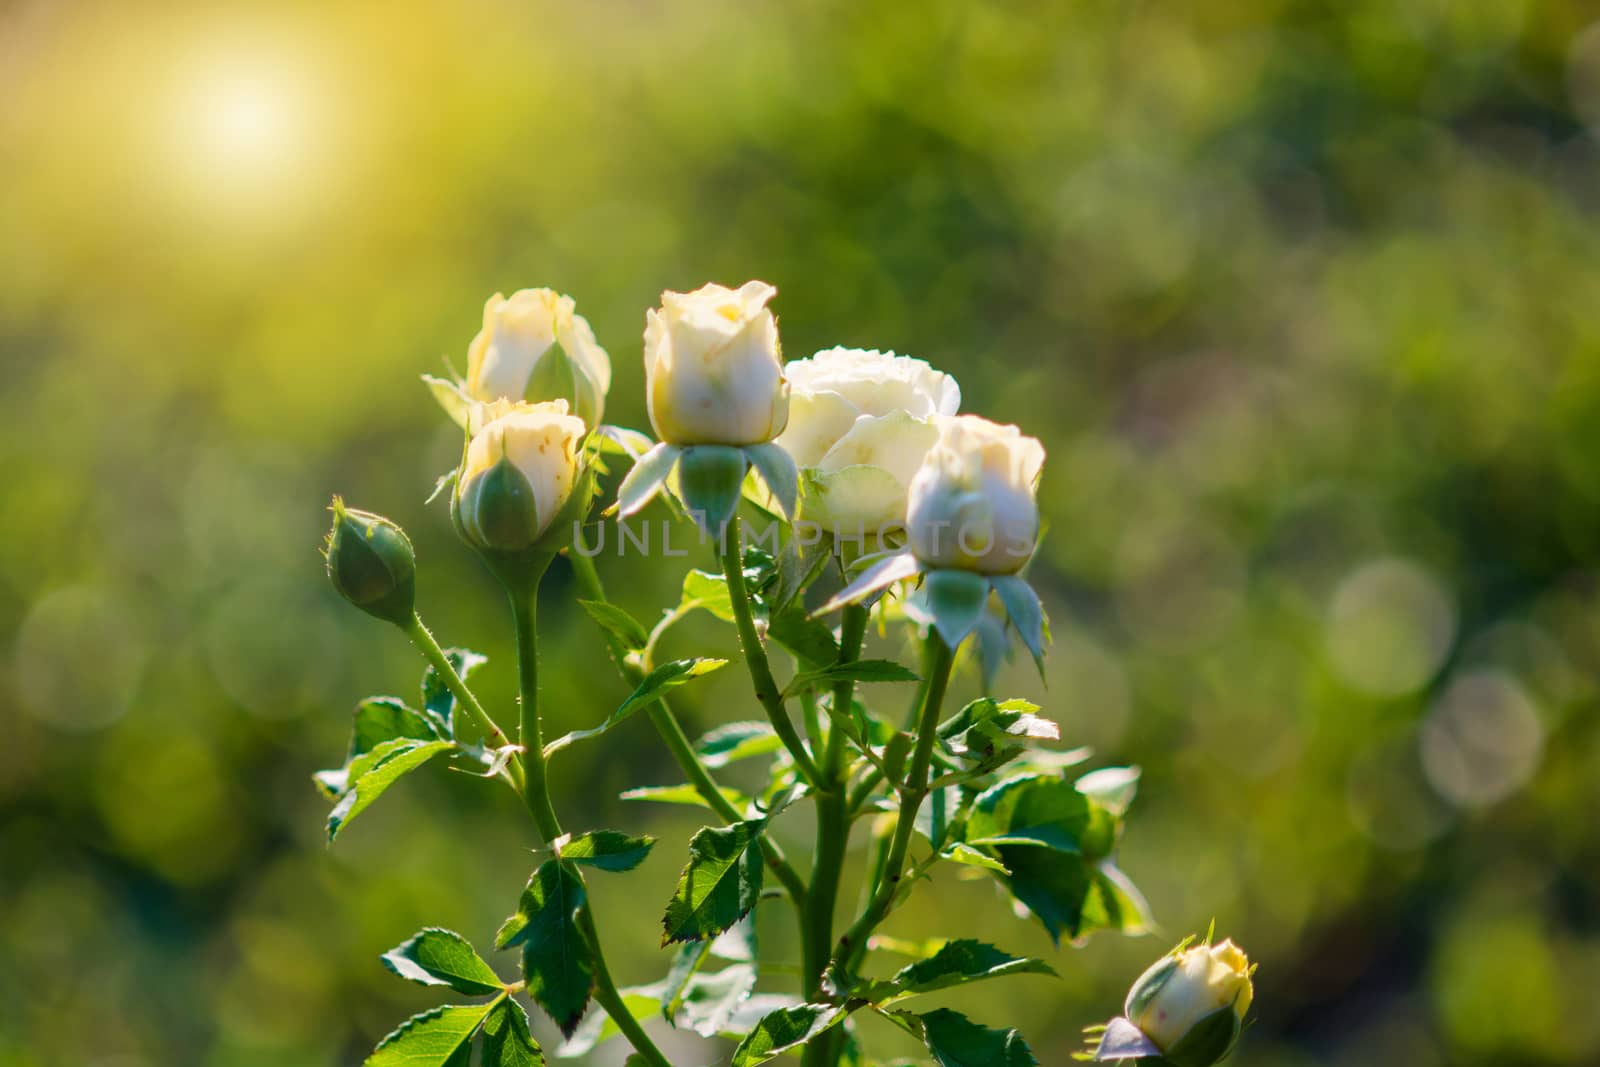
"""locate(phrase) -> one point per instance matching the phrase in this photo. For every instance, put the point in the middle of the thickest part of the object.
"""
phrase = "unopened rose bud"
(371, 564)
(1192, 1003)
(535, 346)
(972, 505)
(713, 367)
(522, 464)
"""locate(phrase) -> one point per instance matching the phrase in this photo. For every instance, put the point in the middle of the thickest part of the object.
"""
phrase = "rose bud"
(534, 346)
(1192, 1003)
(971, 505)
(372, 564)
(521, 467)
(713, 368)
(861, 423)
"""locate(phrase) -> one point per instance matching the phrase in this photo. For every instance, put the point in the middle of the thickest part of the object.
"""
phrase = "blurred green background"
(1302, 298)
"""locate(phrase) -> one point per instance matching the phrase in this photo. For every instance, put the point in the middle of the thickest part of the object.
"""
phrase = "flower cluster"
(921, 513)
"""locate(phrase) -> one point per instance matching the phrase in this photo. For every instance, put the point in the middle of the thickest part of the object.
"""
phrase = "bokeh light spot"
(78, 658)
(1482, 739)
(1389, 627)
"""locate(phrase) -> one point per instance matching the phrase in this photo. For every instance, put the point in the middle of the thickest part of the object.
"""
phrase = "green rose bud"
(372, 564)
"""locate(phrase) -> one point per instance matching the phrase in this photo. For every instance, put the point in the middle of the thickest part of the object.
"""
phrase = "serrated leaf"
(940, 811)
(1042, 810)
(666, 677)
(736, 741)
(860, 670)
(1113, 788)
(372, 774)
(719, 885)
(982, 728)
(507, 1041)
(956, 963)
(376, 720)
(555, 958)
(709, 1001)
(957, 1041)
(609, 850)
(436, 695)
(785, 1029)
(686, 963)
(442, 957)
(438, 1038)
(1074, 896)
(617, 622)
(682, 794)
(702, 589)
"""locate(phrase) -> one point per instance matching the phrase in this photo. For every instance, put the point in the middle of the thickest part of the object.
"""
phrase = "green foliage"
(956, 963)
(785, 1029)
(372, 773)
(736, 741)
(656, 684)
(861, 670)
(607, 850)
(438, 1038)
(614, 620)
(957, 1041)
(436, 695)
(506, 1039)
(556, 960)
(442, 957)
(719, 885)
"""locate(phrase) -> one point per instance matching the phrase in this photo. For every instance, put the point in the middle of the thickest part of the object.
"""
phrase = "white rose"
(713, 368)
(534, 346)
(862, 422)
(522, 464)
(972, 503)
(1172, 998)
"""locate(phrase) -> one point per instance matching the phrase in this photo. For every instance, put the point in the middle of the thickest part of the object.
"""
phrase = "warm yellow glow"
(247, 121)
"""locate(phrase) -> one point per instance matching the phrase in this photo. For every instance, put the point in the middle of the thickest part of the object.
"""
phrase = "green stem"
(524, 609)
(755, 656)
(852, 946)
(429, 647)
(677, 742)
(833, 818)
(610, 998)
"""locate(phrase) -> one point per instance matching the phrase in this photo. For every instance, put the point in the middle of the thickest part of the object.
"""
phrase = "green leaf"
(737, 741)
(377, 719)
(555, 958)
(1112, 788)
(1072, 895)
(860, 670)
(709, 1000)
(809, 639)
(957, 963)
(438, 1038)
(738, 942)
(609, 850)
(943, 809)
(971, 857)
(683, 794)
(618, 623)
(666, 677)
(957, 1041)
(436, 695)
(374, 772)
(719, 885)
(982, 728)
(702, 589)
(506, 1039)
(1042, 810)
(686, 963)
(443, 957)
(785, 1029)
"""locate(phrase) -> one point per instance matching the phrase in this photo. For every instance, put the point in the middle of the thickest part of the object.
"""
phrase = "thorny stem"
(429, 647)
(852, 946)
(755, 656)
(524, 605)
